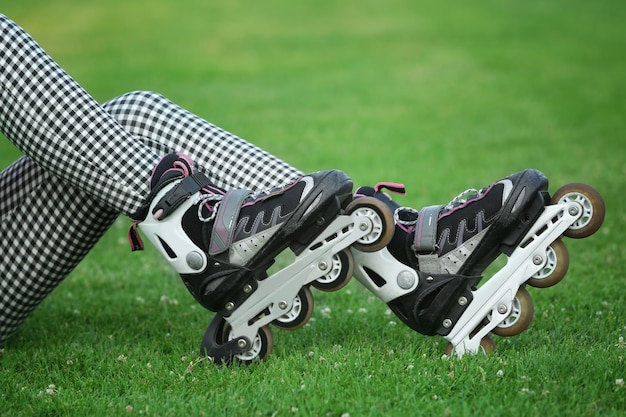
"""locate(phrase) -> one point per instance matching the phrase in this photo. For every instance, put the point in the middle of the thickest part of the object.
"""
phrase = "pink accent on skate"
(157, 214)
(394, 187)
(184, 168)
(407, 229)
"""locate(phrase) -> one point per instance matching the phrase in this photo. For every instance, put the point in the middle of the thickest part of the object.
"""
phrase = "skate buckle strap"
(226, 221)
(425, 241)
(134, 239)
(181, 192)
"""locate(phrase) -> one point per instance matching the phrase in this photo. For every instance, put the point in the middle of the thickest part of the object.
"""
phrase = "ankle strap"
(226, 221)
(426, 230)
(181, 192)
(425, 241)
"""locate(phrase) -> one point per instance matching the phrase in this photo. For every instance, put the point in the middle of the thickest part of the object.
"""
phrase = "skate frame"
(494, 299)
(275, 295)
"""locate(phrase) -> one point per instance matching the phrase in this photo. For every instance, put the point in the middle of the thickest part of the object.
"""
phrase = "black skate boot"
(222, 242)
(448, 247)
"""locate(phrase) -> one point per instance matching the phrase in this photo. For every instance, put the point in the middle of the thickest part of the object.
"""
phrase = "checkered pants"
(85, 164)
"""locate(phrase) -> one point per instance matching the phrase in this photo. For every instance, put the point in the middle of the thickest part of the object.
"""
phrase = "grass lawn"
(441, 96)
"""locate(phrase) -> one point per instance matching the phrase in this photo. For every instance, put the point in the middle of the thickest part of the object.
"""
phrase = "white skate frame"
(275, 294)
(495, 297)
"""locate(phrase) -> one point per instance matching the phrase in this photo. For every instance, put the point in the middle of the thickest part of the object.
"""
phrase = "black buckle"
(181, 192)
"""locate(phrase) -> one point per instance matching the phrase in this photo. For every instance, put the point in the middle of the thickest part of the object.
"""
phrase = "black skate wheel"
(260, 349)
(340, 272)
(382, 218)
(594, 209)
(519, 318)
(557, 264)
(300, 312)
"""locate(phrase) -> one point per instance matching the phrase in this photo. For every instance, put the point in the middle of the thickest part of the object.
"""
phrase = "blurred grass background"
(439, 96)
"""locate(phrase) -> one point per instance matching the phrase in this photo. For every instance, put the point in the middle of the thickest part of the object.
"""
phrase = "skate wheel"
(593, 208)
(518, 320)
(381, 217)
(340, 272)
(261, 348)
(487, 346)
(557, 263)
(300, 312)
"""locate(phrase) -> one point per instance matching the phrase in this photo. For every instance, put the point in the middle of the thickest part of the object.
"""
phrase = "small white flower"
(51, 390)
(122, 358)
(500, 373)
(362, 310)
(619, 382)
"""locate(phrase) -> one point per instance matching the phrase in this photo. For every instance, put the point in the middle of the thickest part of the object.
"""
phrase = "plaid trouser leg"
(54, 121)
(228, 161)
(43, 239)
(89, 167)
(46, 228)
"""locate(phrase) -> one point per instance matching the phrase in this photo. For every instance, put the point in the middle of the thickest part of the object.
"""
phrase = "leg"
(57, 124)
(227, 160)
(22, 185)
(60, 127)
(41, 239)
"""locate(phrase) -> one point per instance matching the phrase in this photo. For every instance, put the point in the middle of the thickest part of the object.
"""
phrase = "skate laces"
(208, 202)
(405, 216)
(464, 197)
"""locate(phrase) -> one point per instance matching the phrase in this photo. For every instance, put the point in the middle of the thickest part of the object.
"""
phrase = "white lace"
(206, 198)
(463, 197)
(398, 220)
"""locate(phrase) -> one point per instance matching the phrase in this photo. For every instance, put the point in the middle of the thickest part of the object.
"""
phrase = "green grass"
(440, 96)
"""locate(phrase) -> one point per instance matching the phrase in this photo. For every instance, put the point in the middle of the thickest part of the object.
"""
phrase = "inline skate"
(222, 244)
(429, 274)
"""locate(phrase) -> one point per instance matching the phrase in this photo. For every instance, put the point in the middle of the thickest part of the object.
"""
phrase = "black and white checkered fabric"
(63, 129)
(46, 228)
(85, 164)
(228, 161)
